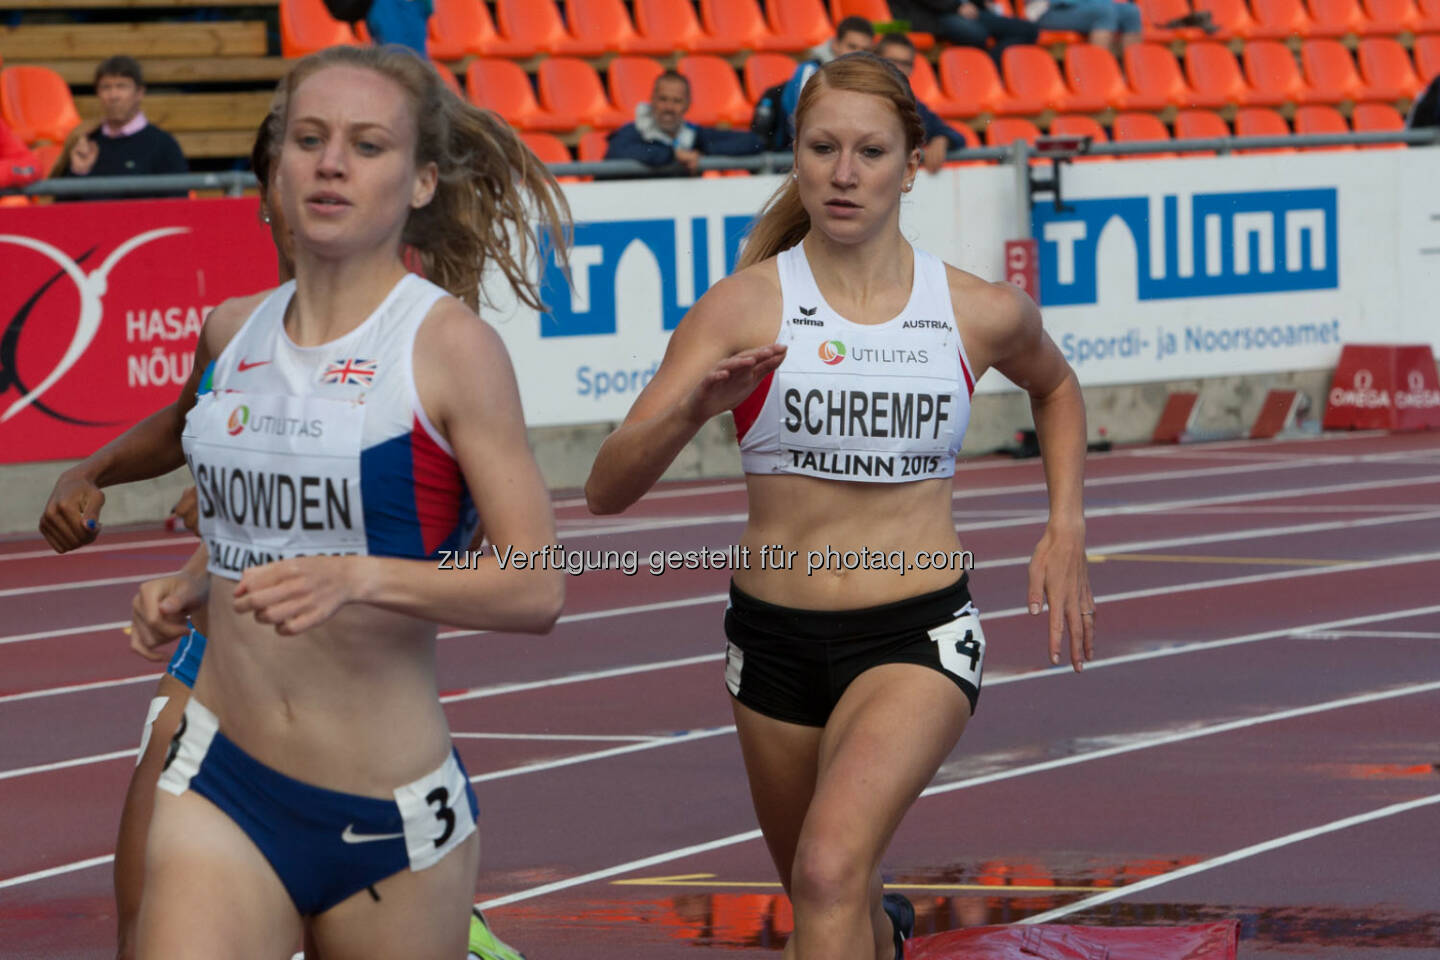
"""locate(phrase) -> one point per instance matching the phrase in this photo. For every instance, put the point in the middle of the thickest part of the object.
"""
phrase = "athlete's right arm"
(149, 449)
(713, 362)
(159, 611)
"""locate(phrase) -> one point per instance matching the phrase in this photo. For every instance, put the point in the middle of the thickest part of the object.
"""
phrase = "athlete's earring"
(265, 214)
(794, 174)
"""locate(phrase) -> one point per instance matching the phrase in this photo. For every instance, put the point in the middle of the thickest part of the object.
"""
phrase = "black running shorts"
(794, 665)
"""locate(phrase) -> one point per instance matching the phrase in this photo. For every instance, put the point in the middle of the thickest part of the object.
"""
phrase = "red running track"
(1269, 664)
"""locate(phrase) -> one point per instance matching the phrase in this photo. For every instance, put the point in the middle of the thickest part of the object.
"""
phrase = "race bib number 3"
(961, 644)
(437, 815)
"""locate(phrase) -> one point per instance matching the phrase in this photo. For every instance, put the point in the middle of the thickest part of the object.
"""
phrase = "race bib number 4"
(961, 644)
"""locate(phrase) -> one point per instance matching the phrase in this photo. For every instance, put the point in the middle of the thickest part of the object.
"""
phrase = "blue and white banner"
(1153, 270)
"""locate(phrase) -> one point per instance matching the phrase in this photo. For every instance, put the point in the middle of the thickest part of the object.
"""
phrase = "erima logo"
(807, 317)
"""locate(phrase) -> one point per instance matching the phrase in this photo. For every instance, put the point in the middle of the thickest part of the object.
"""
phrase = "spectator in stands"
(970, 23)
(18, 165)
(125, 143)
(1426, 110)
(940, 137)
(661, 135)
(1106, 23)
(852, 35)
(400, 21)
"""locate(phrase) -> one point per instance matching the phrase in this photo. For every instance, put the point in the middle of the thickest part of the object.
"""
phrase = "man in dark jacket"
(661, 135)
(940, 137)
(967, 22)
(125, 144)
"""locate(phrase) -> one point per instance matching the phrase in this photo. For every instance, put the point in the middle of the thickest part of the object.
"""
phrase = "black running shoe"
(902, 918)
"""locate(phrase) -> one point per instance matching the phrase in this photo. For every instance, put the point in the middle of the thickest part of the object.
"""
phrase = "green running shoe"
(484, 945)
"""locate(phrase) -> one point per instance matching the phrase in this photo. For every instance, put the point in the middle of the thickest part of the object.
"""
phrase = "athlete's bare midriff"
(829, 525)
(350, 705)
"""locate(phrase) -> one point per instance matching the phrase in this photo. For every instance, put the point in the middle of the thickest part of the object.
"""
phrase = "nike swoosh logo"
(250, 366)
(350, 836)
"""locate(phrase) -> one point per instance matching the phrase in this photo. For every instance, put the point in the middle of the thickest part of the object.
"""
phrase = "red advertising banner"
(1383, 386)
(100, 311)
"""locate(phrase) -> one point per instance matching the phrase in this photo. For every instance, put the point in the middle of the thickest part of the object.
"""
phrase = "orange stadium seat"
(592, 146)
(460, 28)
(1155, 78)
(47, 155)
(607, 22)
(970, 81)
(1390, 16)
(675, 25)
(1330, 74)
(1273, 74)
(876, 11)
(1261, 122)
(1231, 18)
(1094, 77)
(1003, 131)
(536, 25)
(1385, 70)
(1277, 19)
(1215, 78)
(1317, 118)
(501, 85)
(742, 24)
(570, 87)
(1427, 57)
(926, 87)
(306, 26)
(799, 21)
(547, 147)
(1371, 117)
(763, 70)
(715, 92)
(631, 80)
(1033, 81)
(36, 104)
(1078, 126)
(1141, 128)
(1429, 15)
(1199, 125)
(1157, 12)
(1336, 18)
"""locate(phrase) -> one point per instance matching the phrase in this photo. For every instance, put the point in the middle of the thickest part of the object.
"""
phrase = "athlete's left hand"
(298, 594)
(1059, 576)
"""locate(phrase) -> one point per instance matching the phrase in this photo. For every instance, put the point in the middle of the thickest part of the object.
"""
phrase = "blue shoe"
(484, 945)
(902, 918)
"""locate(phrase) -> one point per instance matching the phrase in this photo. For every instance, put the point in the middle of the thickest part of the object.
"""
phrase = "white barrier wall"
(1156, 270)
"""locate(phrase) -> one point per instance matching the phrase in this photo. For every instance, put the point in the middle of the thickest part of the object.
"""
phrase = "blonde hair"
(489, 182)
(783, 222)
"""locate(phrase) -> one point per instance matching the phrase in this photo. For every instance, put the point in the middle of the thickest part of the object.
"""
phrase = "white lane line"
(1026, 770)
(56, 871)
(78, 688)
(1232, 857)
(1123, 547)
(1173, 737)
(1198, 646)
(64, 632)
(1169, 450)
(1382, 634)
(63, 764)
(712, 519)
(496, 690)
(192, 542)
(500, 689)
(599, 737)
(690, 737)
(1233, 509)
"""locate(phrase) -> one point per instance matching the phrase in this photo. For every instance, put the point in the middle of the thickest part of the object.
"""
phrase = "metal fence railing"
(237, 181)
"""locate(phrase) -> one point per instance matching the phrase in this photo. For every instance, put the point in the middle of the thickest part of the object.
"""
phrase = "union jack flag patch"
(350, 371)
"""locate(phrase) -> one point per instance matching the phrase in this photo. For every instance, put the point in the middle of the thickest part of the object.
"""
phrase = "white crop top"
(324, 449)
(879, 403)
